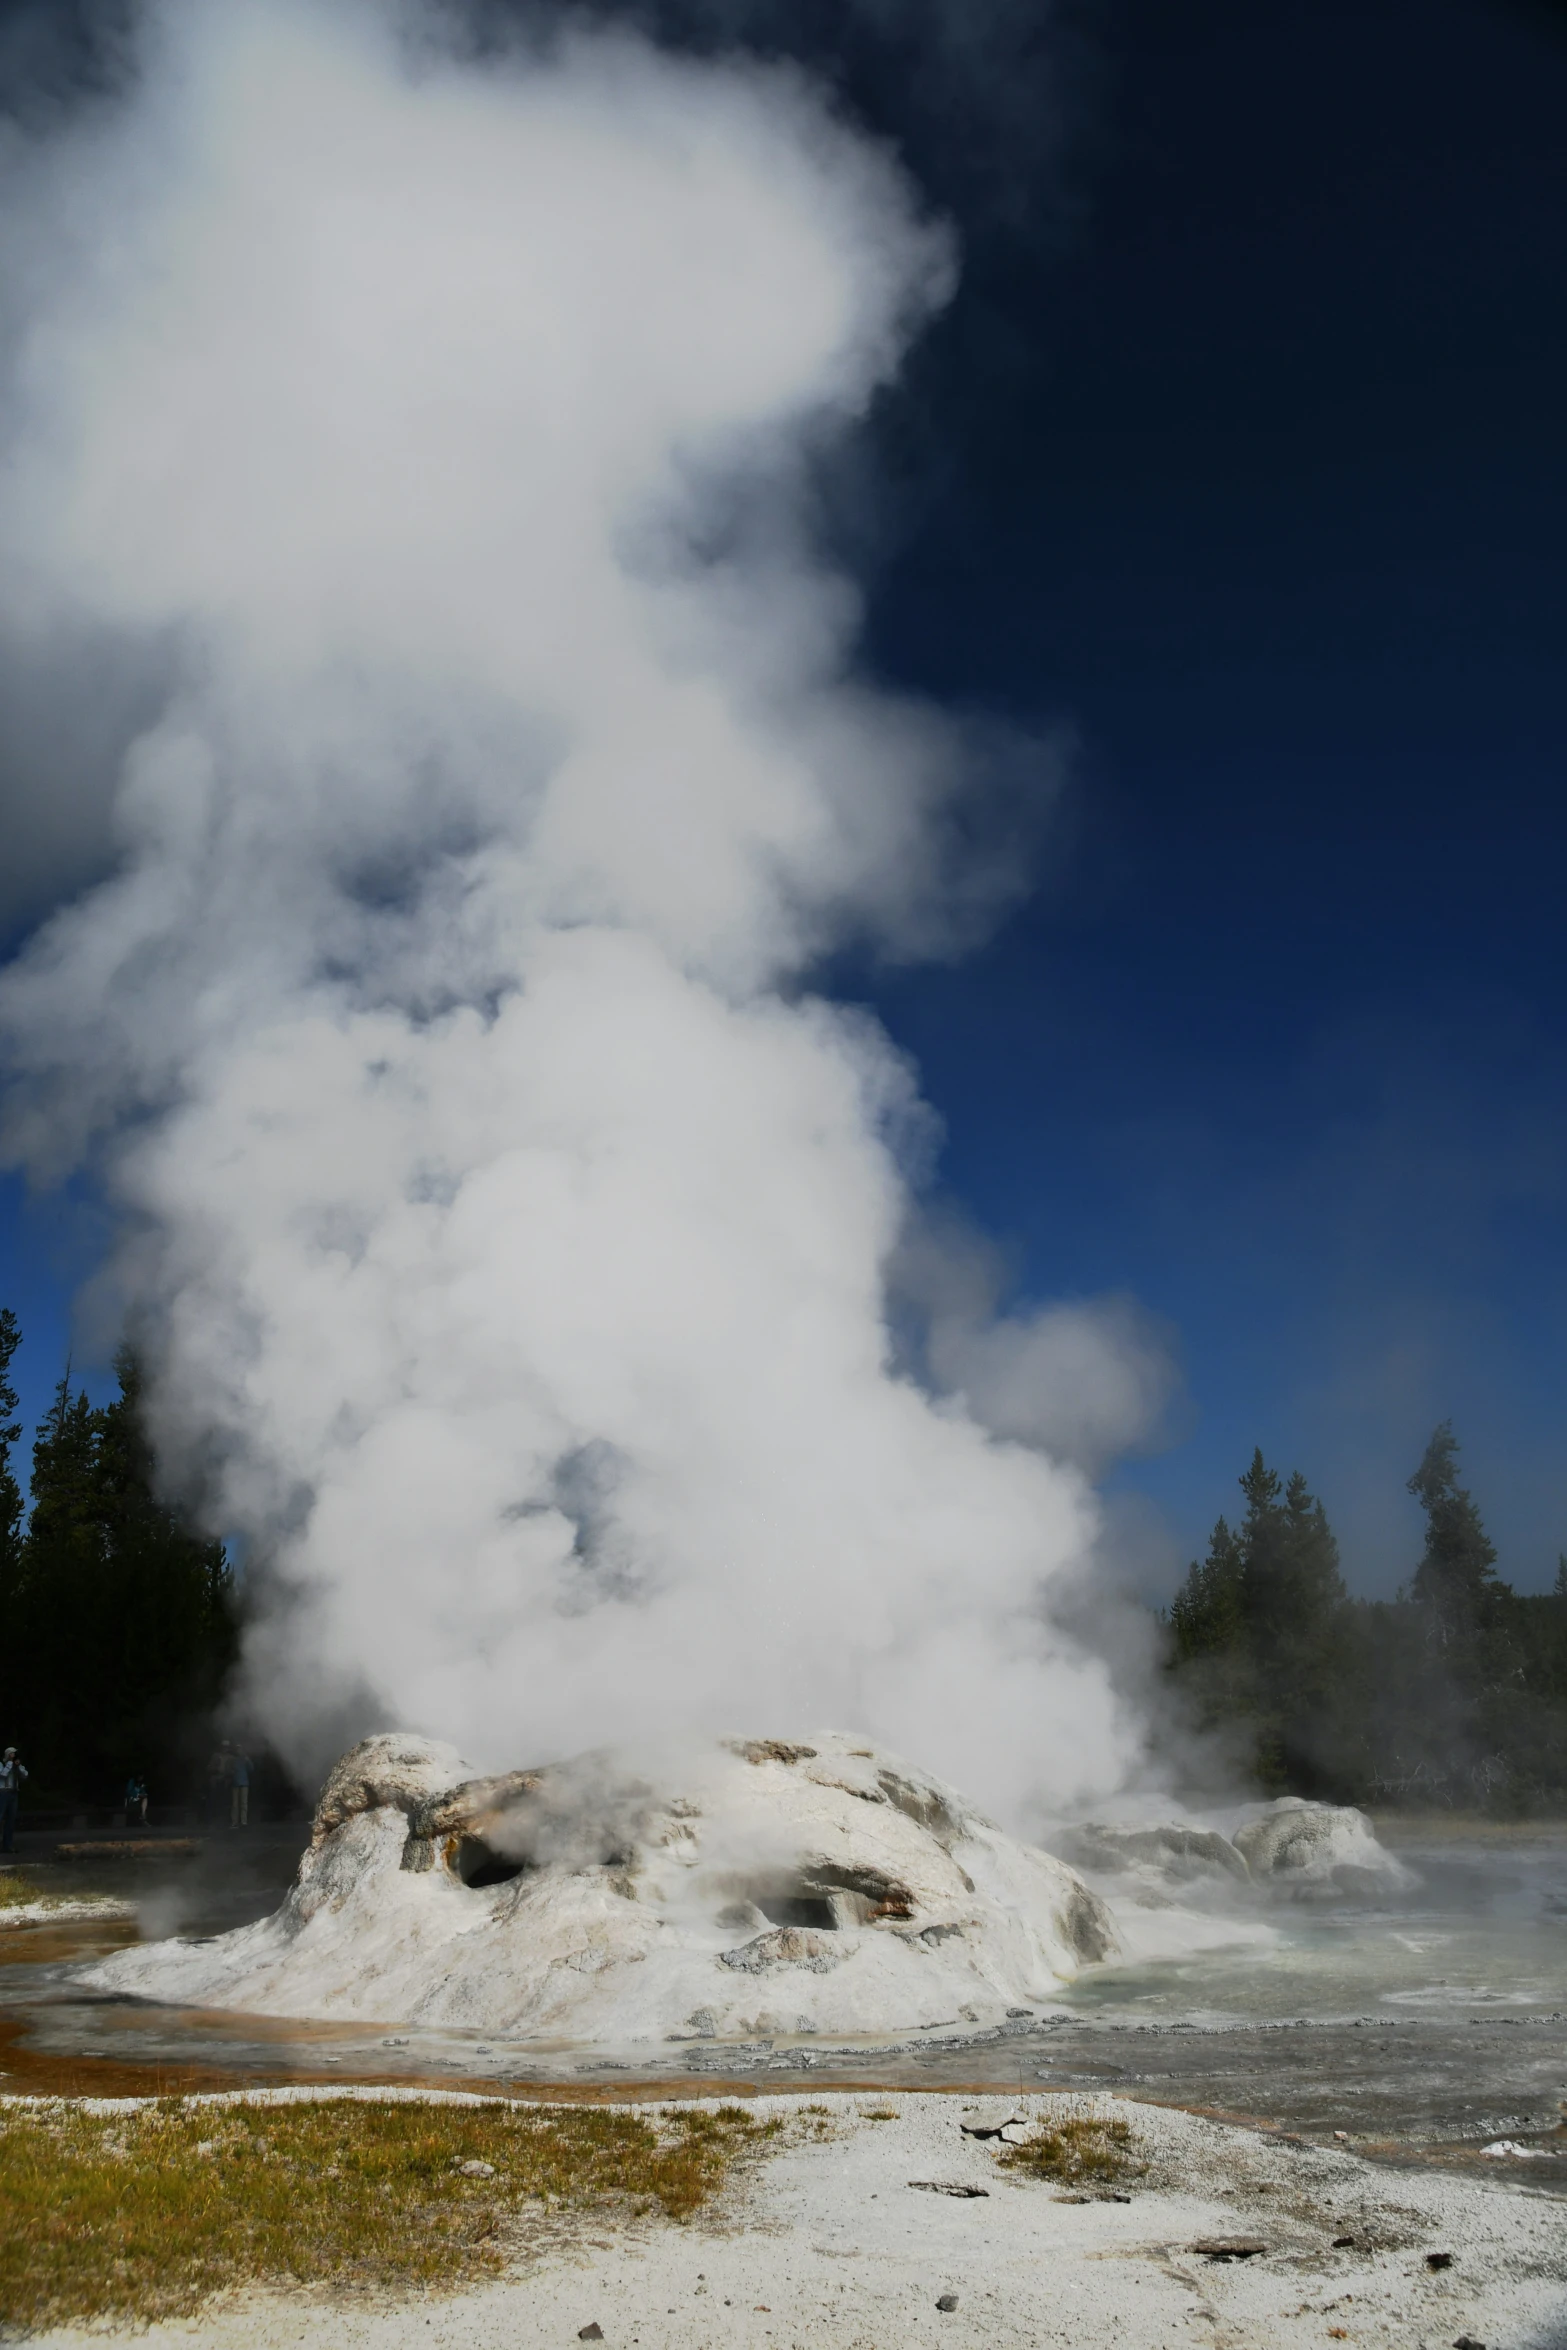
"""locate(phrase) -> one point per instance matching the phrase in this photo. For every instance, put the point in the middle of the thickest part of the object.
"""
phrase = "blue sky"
(1238, 462)
(1272, 509)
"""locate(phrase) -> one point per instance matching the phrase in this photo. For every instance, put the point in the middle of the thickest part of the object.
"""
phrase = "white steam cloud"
(508, 1228)
(1085, 1380)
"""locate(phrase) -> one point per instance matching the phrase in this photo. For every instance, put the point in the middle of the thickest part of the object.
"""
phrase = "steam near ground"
(508, 1224)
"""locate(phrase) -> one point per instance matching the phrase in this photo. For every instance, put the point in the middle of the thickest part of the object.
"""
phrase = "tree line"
(119, 1624)
(1454, 1692)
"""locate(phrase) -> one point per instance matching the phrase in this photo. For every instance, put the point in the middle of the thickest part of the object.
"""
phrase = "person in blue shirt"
(135, 1800)
(239, 1788)
(12, 1775)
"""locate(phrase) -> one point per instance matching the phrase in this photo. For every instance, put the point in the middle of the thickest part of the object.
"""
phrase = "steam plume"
(506, 1222)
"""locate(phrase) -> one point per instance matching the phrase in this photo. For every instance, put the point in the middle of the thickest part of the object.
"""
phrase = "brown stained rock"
(1090, 1927)
(388, 1771)
(926, 1806)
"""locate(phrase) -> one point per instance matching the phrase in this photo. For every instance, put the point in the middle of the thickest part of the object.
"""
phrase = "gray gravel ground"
(826, 2242)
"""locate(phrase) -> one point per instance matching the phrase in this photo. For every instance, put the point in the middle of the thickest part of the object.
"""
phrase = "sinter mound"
(768, 1887)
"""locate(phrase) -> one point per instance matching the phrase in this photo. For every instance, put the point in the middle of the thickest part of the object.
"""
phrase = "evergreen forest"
(1453, 1693)
(120, 1624)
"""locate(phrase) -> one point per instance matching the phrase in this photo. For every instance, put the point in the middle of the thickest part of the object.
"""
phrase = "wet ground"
(1425, 2026)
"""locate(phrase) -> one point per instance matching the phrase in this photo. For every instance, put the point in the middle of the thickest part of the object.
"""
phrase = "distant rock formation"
(1168, 1848)
(1290, 1846)
(758, 1888)
(1318, 1847)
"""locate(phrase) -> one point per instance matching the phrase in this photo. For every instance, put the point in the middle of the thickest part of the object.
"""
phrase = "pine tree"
(1295, 1600)
(1455, 1581)
(168, 1591)
(1259, 1628)
(1456, 1691)
(62, 1615)
(126, 1618)
(1481, 1705)
(1292, 1565)
(1207, 1614)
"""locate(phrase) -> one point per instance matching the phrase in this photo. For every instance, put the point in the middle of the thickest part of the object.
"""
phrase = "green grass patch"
(19, 1892)
(1083, 2152)
(146, 2214)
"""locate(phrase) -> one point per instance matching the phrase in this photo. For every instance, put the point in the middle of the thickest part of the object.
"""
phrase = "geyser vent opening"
(829, 1899)
(800, 1909)
(478, 1864)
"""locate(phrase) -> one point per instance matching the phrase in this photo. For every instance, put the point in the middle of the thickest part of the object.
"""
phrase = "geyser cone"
(771, 1887)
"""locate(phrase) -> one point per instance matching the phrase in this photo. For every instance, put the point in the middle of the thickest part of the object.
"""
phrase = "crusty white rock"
(763, 1888)
(391, 1769)
(1168, 1850)
(1284, 1847)
(1317, 1847)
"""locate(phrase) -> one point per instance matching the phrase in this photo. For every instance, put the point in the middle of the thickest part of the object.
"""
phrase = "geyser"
(749, 1887)
(504, 1221)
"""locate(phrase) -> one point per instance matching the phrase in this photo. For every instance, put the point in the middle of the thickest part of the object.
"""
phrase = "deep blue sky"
(1269, 499)
(1242, 456)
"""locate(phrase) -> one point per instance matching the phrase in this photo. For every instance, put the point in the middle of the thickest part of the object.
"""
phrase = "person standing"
(12, 1776)
(135, 1800)
(239, 1789)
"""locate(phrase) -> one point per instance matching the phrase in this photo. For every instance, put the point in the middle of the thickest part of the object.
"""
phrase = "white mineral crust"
(1327, 1847)
(1290, 1846)
(764, 1888)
